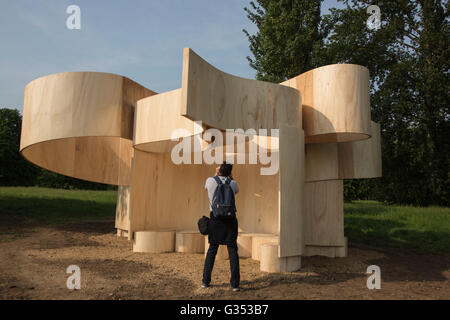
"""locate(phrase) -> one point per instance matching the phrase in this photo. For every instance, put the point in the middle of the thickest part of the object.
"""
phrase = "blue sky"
(140, 39)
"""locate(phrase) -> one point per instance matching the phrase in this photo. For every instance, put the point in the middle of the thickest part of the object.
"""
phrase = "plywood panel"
(157, 118)
(346, 160)
(270, 262)
(75, 104)
(324, 251)
(327, 251)
(335, 103)
(125, 159)
(154, 241)
(291, 185)
(361, 159)
(321, 161)
(189, 242)
(165, 195)
(244, 242)
(258, 240)
(324, 213)
(123, 208)
(59, 155)
(224, 101)
(88, 116)
(257, 200)
(98, 159)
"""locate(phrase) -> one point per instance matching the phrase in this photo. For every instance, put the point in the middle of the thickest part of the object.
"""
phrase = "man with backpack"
(223, 225)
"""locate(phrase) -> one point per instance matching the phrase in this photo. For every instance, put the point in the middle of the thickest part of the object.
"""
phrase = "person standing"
(223, 225)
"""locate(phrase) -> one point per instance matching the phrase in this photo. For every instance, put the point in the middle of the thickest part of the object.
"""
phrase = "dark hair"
(225, 169)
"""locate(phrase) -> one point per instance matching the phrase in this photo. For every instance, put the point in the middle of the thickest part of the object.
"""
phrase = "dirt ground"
(33, 266)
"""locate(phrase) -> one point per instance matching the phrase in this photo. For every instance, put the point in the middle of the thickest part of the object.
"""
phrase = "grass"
(379, 225)
(50, 206)
(366, 222)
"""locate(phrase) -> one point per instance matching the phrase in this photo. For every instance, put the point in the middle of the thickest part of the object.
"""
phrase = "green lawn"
(49, 206)
(366, 222)
(379, 225)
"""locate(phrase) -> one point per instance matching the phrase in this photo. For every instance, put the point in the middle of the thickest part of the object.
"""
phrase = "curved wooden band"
(80, 124)
(335, 103)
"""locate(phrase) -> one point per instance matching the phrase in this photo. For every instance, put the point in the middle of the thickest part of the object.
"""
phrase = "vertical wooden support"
(270, 262)
(291, 162)
(123, 209)
(324, 213)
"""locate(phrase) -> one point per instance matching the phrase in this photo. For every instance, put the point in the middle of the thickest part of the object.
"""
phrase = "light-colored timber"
(345, 160)
(122, 233)
(189, 242)
(154, 241)
(361, 159)
(324, 213)
(342, 252)
(158, 121)
(335, 103)
(290, 214)
(327, 251)
(270, 262)
(225, 101)
(321, 161)
(244, 242)
(258, 240)
(80, 124)
(123, 208)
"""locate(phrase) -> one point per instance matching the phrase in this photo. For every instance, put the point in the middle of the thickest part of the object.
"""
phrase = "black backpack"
(223, 205)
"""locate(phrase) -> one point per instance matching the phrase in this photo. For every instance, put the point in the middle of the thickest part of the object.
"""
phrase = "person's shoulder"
(210, 180)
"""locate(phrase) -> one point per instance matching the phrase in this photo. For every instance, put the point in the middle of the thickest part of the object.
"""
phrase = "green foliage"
(360, 189)
(289, 39)
(408, 59)
(14, 169)
(50, 179)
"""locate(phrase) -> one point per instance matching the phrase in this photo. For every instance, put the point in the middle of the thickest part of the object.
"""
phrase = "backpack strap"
(228, 181)
(219, 182)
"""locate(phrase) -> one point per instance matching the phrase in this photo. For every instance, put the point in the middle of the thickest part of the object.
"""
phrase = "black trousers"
(234, 264)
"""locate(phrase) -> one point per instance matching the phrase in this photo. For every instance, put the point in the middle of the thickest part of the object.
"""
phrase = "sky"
(140, 39)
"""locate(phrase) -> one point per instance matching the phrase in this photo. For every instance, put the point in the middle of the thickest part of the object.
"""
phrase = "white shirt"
(211, 186)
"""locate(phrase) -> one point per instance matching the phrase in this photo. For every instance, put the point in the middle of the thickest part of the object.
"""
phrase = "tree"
(289, 40)
(408, 59)
(14, 169)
